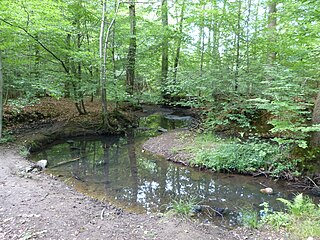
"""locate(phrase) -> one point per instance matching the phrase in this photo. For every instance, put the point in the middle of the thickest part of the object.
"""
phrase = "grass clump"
(243, 157)
(182, 207)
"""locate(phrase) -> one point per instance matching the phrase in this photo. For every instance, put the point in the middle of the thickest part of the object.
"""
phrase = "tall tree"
(103, 49)
(165, 44)
(202, 38)
(272, 24)
(179, 42)
(237, 40)
(131, 57)
(103, 64)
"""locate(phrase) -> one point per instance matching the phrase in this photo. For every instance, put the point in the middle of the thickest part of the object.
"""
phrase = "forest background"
(249, 65)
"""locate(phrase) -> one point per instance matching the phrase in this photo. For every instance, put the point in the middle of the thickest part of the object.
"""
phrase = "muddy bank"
(172, 146)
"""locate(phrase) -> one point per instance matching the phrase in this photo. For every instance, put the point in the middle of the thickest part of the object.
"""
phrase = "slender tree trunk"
(113, 58)
(165, 45)
(249, 83)
(238, 34)
(315, 137)
(216, 32)
(201, 41)
(103, 48)
(1, 95)
(272, 24)
(103, 77)
(131, 58)
(177, 57)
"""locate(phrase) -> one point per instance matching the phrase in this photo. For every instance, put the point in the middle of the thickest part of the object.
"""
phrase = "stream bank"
(40, 206)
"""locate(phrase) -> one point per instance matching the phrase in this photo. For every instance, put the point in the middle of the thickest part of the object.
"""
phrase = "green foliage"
(246, 157)
(7, 137)
(302, 218)
(182, 207)
(275, 219)
(24, 151)
(300, 205)
(231, 114)
(283, 99)
(249, 218)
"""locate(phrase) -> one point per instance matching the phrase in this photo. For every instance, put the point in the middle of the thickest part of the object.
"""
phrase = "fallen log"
(65, 162)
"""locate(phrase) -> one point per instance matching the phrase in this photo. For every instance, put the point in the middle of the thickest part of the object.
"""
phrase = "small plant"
(249, 218)
(24, 151)
(6, 137)
(182, 207)
(300, 205)
(275, 219)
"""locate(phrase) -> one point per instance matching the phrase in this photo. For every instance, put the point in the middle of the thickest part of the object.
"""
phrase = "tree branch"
(38, 41)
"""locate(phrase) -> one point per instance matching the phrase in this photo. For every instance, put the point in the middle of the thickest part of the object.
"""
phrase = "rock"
(266, 190)
(40, 165)
(163, 130)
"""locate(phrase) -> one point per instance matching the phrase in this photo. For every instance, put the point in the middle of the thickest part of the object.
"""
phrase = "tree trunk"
(315, 137)
(201, 41)
(178, 49)
(131, 58)
(272, 24)
(103, 77)
(249, 82)
(103, 48)
(1, 95)
(238, 35)
(165, 45)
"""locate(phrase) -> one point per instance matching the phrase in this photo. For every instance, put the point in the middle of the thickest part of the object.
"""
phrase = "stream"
(115, 169)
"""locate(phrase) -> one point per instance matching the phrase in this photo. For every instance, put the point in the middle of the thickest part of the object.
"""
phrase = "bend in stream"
(115, 169)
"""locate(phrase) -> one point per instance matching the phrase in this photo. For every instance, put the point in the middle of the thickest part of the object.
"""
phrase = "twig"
(214, 210)
(263, 185)
(312, 182)
(102, 213)
(260, 173)
(44, 197)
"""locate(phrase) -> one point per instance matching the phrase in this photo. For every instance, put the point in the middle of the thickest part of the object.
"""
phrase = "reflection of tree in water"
(133, 164)
(114, 167)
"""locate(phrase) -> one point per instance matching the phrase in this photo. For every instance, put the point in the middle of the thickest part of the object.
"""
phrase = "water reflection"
(117, 169)
(114, 168)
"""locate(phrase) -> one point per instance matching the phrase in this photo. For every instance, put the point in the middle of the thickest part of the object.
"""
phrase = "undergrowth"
(301, 217)
(6, 137)
(243, 157)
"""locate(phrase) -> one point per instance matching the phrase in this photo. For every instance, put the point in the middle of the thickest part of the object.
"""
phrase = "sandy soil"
(172, 145)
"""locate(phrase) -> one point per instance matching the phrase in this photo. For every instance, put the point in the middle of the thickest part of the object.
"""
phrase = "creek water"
(117, 170)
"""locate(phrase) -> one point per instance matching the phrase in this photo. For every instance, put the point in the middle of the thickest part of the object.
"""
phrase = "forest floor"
(37, 205)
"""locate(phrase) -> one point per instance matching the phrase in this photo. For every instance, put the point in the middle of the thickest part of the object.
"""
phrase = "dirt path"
(38, 206)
